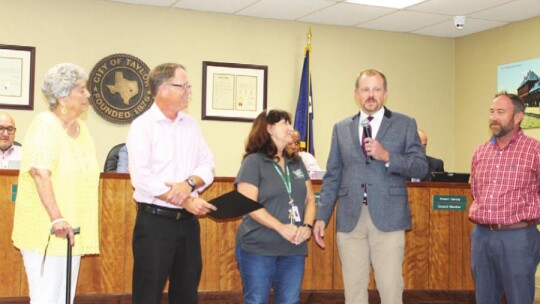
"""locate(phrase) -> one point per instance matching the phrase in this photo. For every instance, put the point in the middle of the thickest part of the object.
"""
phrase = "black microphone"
(367, 131)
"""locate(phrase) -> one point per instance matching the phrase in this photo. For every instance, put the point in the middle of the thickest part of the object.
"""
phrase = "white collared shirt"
(375, 123)
(309, 161)
(161, 150)
(11, 159)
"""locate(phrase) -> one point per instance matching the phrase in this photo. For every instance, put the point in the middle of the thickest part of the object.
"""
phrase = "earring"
(64, 110)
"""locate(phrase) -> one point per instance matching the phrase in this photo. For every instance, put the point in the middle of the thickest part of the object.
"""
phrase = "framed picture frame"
(17, 67)
(233, 91)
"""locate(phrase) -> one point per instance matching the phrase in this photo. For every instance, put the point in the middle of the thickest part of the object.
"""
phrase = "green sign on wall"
(449, 202)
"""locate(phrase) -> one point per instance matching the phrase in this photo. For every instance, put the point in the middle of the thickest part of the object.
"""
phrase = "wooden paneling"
(436, 258)
(217, 241)
(10, 258)
(438, 247)
(415, 266)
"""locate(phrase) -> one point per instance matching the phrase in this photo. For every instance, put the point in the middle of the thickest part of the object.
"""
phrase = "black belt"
(175, 214)
(498, 227)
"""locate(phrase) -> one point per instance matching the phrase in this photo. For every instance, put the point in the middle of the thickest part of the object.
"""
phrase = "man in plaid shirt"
(505, 244)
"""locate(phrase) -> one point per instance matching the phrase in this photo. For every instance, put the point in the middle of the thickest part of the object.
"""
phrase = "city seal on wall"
(119, 90)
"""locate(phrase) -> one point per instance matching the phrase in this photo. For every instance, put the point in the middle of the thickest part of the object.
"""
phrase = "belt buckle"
(495, 227)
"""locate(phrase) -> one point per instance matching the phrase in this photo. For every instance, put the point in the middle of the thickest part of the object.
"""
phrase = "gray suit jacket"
(348, 172)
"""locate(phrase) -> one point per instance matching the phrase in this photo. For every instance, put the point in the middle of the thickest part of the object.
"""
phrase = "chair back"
(111, 162)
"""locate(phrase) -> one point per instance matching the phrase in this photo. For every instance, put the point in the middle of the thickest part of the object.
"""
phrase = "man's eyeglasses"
(10, 130)
(186, 86)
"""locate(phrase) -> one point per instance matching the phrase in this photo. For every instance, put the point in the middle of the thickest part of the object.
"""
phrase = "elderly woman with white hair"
(58, 187)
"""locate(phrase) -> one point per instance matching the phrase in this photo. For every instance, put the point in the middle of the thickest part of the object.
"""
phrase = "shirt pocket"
(518, 171)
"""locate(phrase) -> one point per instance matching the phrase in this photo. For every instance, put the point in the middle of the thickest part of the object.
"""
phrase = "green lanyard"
(287, 181)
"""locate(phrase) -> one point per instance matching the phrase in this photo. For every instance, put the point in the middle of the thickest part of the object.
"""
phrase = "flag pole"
(309, 38)
(304, 107)
(309, 140)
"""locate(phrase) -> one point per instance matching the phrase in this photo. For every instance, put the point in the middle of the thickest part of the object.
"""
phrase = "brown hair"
(517, 102)
(161, 74)
(259, 139)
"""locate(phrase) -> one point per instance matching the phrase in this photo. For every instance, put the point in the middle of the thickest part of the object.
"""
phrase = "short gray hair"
(161, 74)
(60, 80)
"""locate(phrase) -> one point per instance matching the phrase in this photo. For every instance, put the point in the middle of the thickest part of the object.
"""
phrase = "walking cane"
(68, 270)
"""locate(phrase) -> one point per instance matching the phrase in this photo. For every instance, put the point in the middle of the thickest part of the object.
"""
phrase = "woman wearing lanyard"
(271, 243)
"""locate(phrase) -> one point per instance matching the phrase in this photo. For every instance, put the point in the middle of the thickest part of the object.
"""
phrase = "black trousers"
(164, 247)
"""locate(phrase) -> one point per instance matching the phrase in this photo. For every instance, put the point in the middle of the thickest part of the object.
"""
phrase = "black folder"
(232, 204)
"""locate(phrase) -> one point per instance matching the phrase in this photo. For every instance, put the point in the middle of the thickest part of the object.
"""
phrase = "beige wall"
(420, 69)
(477, 57)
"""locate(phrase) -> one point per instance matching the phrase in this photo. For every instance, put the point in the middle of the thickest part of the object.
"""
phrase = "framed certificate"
(233, 91)
(17, 64)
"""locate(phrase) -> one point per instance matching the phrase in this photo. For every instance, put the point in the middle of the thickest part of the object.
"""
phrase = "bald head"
(423, 138)
(7, 126)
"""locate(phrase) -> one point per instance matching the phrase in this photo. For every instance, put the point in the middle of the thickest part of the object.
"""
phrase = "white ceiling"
(431, 17)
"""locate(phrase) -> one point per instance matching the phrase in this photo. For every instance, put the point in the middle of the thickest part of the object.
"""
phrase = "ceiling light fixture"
(399, 4)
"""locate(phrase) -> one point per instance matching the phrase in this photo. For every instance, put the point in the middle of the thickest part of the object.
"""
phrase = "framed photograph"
(17, 64)
(521, 78)
(233, 91)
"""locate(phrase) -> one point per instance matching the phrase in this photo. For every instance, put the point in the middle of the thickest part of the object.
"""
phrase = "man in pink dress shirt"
(169, 163)
(505, 244)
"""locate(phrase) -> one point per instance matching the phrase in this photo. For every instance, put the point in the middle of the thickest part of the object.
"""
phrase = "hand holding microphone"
(367, 134)
(367, 128)
(373, 148)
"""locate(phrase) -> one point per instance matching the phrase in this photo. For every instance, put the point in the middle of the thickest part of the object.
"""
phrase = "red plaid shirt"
(505, 182)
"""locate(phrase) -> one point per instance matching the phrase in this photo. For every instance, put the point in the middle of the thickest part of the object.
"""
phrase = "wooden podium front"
(437, 253)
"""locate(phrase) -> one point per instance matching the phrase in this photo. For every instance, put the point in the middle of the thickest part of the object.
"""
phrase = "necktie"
(370, 118)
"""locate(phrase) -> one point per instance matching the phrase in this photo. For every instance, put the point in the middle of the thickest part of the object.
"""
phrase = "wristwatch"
(308, 225)
(192, 182)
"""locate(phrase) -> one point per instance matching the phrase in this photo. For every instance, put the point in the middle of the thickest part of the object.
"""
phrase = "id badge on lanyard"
(294, 213)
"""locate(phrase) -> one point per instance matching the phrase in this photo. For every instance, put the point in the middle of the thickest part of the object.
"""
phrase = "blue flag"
(303, 118)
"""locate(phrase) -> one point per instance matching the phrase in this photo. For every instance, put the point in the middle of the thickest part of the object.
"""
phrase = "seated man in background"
(10, 154)
(122, 166)
(294, 148)
(434, 164)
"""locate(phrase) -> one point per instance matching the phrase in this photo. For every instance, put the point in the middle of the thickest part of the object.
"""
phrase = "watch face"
(191, 182)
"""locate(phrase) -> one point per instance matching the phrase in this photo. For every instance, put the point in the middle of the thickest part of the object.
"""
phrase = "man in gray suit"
(373, 212)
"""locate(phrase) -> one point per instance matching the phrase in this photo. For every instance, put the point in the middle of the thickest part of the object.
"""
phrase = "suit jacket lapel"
(355, 135)
(385, 124)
